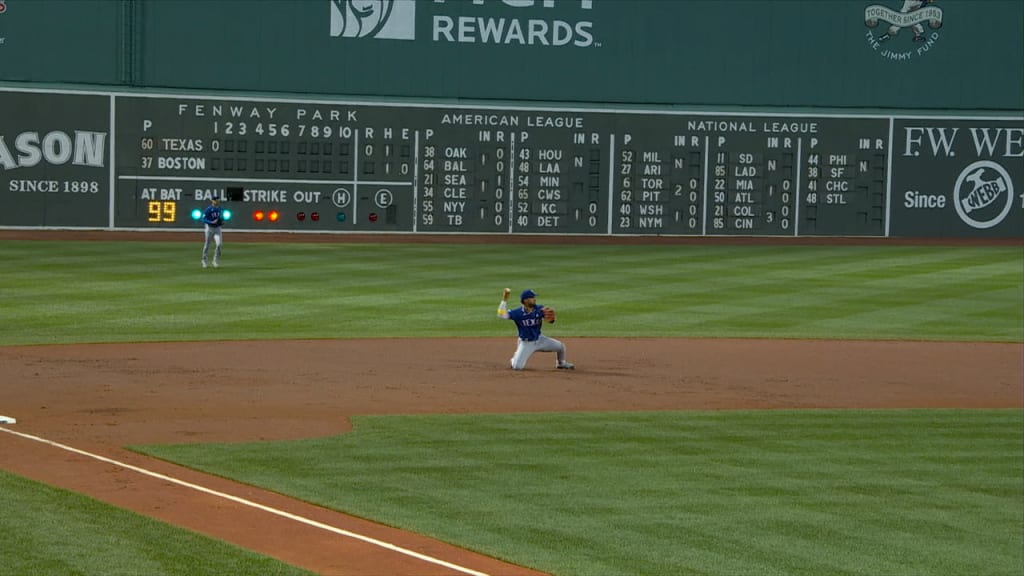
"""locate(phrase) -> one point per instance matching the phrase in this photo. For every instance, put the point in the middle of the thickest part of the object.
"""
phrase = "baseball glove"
(549, 314)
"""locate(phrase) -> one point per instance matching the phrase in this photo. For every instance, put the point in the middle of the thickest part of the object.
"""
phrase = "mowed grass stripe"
(47, 530)
(56, 292)
(900, 492)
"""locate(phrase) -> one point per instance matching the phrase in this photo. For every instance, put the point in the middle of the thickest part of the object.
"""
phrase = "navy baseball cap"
(527, 294)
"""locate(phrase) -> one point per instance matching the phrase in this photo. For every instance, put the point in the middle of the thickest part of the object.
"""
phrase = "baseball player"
(213, 220)
(528, 319)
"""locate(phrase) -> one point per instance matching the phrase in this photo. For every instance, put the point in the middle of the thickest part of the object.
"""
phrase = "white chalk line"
(251, 504)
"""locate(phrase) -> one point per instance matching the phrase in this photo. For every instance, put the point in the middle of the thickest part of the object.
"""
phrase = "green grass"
(45, 530)
(770, 492)
(59, 292)
(857, 492)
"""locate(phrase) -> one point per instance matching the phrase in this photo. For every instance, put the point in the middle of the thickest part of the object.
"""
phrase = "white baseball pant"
(214, 233)
(526, 348)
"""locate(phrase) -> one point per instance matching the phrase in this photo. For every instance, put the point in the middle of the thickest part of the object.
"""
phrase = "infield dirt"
(104, 396)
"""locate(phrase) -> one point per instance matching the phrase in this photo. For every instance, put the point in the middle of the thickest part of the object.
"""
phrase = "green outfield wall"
(900, 118)
(944, 54)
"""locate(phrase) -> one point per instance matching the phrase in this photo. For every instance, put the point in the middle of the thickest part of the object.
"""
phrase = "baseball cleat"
(204, 263)
(566, 366)
(216, 264)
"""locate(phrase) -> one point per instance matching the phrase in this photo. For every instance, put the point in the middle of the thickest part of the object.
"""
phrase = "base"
(7, 420)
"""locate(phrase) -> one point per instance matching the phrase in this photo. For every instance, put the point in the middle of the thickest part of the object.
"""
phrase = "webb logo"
(983, 194)
(389, 19)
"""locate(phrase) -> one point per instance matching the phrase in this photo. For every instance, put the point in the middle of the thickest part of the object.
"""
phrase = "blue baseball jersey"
(212, 215)
(528, 323)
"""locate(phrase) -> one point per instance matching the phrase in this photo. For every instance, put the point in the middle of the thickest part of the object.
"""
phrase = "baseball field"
(347, 408)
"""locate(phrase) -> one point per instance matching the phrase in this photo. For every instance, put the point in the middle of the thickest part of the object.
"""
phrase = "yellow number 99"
(161, 211)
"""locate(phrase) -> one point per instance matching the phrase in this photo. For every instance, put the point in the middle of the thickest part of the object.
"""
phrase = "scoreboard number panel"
(843, 179)
(656, 177)
(480, 171)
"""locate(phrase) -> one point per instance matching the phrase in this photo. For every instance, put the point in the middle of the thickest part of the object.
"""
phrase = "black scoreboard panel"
(300, 167)
(657, 180)
(511, 172)
(843, 180)
(311, 166)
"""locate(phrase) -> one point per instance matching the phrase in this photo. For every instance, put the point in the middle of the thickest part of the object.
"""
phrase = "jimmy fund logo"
(510, 22)
(391, 19)
(983, 194)
(914, 14)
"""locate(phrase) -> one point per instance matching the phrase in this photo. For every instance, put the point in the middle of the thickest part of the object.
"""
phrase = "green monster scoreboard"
(330, 167)
(336, 167)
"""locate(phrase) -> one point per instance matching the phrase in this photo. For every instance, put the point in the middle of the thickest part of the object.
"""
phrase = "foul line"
(251, 504)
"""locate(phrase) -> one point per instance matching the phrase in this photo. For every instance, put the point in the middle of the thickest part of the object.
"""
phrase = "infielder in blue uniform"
(528, 319)
(213, 220)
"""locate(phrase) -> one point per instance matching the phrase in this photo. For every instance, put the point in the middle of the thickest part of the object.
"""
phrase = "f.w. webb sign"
(958, 178)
